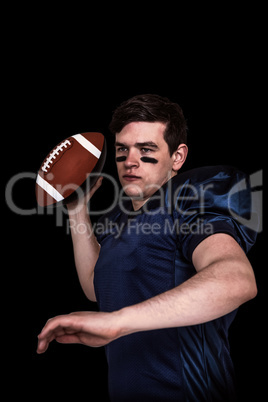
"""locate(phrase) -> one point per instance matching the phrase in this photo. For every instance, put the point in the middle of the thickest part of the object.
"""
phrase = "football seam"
(52, 158)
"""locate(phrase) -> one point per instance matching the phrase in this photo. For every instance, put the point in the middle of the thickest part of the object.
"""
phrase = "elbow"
(253, 290)
(88, 288)
(248, 288)
(90, 295)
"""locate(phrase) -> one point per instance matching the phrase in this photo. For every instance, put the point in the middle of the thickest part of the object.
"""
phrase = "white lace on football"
(60, 148)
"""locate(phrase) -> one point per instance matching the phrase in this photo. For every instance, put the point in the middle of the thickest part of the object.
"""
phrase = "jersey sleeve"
(215, 201)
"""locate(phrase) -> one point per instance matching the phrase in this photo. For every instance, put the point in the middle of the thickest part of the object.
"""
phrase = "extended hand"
(88, 328)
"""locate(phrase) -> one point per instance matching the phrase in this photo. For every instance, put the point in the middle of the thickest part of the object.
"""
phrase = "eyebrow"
(139, 144)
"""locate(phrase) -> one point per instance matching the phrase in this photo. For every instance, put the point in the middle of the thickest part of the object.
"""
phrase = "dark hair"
(153, 108)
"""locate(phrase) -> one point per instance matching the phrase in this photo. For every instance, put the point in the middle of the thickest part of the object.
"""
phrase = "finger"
(44, 341)
(54, 328)
(68, 339)
(52, 325)
(42, 346)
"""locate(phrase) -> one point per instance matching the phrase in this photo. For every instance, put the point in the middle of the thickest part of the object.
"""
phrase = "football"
(71, 167)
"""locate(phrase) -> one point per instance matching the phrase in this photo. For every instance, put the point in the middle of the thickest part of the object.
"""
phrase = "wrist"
(78, 211)
(80, 224)
(128, 321)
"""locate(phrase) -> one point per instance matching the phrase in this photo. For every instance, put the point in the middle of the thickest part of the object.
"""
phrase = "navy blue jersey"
(148, 252)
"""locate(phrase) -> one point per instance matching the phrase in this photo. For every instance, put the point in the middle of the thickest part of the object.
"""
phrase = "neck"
(138, 203)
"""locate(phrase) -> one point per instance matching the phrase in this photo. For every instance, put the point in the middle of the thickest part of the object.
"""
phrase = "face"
(143, 160)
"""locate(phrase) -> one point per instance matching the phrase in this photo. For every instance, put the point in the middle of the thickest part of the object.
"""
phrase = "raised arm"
(85, 245)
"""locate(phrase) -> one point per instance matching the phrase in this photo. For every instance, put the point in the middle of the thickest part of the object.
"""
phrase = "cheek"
(158, 173)
(154, 173)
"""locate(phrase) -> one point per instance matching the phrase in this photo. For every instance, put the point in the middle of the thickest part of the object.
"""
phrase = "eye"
(122, 149)
(146, 150)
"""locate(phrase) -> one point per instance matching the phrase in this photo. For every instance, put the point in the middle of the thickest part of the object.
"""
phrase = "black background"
(57, 86)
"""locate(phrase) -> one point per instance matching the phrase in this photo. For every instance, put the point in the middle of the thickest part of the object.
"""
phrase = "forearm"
(86, 250)
(211, 293)
(224, 280)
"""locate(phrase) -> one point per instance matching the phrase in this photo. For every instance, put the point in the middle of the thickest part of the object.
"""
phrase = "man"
(169, 285)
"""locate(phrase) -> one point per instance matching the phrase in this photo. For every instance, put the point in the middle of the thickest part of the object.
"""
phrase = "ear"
(179, 157)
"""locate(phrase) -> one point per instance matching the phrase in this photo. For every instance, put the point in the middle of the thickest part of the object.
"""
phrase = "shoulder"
(217, 198)
(193, 186)
(203, 186)
(205, 174)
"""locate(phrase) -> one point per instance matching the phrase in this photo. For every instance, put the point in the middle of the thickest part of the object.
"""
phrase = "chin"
(133, 191)
(134, 195)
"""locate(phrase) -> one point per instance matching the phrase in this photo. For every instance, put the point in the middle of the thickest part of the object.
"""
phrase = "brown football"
(73, 164)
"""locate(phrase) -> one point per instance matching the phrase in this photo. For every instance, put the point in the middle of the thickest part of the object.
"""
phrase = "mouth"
(130, 177)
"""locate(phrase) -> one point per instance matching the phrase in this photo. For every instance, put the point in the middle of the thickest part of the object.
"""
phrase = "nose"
(132, 159)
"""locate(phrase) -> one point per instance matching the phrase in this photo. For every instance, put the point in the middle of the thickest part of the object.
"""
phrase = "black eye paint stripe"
(120, 158)
(146, 159)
